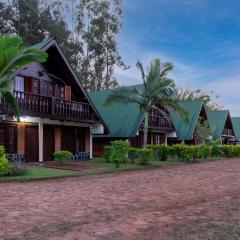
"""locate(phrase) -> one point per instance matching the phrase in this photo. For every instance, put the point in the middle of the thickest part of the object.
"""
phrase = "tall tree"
(158, 92)
(99, 23)
(13, 56)
(37, 20)
(208, 99)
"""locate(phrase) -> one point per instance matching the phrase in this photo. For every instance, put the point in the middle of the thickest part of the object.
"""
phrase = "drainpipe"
(90, 142)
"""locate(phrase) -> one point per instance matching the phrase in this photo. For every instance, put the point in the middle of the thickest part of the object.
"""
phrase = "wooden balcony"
(158, 122)
(228, 133)
(44, 106)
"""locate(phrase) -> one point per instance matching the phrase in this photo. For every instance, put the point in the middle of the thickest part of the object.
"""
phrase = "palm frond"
(125, 96)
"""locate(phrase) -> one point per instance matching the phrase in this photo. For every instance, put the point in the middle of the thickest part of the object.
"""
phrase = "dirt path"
(192, 201)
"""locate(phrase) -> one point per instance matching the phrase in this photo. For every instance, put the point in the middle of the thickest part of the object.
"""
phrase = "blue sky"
(200, 37)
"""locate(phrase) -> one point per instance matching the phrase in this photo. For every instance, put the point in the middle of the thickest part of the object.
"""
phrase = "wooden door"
(31, 144)
(48, 143)
(8, 138)
(68, 139)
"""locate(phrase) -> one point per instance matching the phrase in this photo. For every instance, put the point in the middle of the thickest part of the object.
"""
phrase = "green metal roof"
(122, 120)
(236, 127)
(185, 129)
(217, 120)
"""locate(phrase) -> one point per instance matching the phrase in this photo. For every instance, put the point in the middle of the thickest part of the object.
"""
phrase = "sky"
(200, 37)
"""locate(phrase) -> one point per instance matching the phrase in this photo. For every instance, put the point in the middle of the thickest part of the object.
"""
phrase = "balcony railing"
(158, 122)
(228, 132)
(38, 105)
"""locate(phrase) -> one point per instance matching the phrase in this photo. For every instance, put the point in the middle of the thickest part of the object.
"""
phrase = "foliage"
(209, 102)
(17, 168)
(97, 25)
(145, 155)
(132, 154)
(181, 151)
(13, 56)
(162, 152)
(62, 157)
(216, 148)
(37, 20)
(158, 92)
(4, 165)
(230, 150)
(107, 153)
(205, 151)
(202, 130)
(119, 152)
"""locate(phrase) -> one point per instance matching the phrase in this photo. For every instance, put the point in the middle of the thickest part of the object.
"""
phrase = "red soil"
(192, 201)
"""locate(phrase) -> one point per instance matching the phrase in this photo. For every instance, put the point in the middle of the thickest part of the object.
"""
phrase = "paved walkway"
(191, 201)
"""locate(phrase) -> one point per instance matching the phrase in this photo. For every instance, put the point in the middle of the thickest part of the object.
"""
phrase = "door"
(69, 139)
(8, 138)
(48, 143)
(31, 144)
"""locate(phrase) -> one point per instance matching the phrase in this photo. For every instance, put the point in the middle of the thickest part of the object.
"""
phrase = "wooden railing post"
(53, 104)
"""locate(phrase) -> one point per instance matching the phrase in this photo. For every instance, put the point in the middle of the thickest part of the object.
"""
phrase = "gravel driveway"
(187, 201)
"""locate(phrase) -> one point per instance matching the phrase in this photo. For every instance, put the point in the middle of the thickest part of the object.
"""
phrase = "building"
(186, 130)
(221, 125)
(125, 121)
(56, 111)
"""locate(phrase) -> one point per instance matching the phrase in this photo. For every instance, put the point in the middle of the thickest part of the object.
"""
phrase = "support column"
(165, 139)
(40, 135)
(90, 143)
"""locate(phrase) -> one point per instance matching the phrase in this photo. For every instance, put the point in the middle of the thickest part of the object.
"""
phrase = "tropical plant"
(157, 92)
(13, 56)
(62, 157)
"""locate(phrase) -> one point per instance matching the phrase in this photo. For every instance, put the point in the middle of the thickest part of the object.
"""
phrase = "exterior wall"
(21, 139)
(57, 135)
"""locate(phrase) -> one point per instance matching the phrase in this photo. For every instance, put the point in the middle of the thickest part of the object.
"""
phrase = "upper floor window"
(19, 84)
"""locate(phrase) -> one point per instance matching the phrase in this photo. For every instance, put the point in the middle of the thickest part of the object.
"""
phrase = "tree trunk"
(145, 130)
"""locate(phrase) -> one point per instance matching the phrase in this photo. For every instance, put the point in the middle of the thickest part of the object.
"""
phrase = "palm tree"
(13, 56)
(158, 92)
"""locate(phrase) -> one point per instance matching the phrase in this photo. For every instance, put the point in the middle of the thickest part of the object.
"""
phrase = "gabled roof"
(122, 120)
(185, 129)
(217, 120)
(52, 42)
(236, 127)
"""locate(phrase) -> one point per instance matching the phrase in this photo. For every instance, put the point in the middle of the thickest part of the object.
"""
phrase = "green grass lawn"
(98, 165)
(101, 166)
(35, 172)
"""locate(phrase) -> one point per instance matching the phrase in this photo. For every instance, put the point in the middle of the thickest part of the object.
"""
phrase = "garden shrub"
(119, 152)
(145, 155)
(162, 152)
(229, 150)
(205, 151)
(17, 168)
(62, 157)
(182, 152)
(132, 154)
(107, 153)
(4, 165)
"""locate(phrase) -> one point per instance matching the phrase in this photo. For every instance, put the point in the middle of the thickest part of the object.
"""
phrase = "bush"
(62, 157)
(119, 152)
(17, 168)
(162, 152)
(132, 154)
(229, 150)
(182, 152)
(107, 153)
(4, 165)
(205, 151)
(145, 155)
